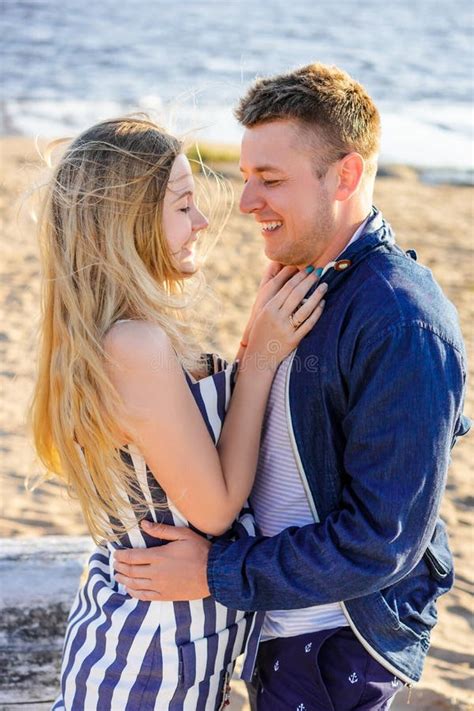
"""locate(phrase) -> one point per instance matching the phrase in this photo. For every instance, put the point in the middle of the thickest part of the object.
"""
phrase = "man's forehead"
(270, 146)
(261, 167)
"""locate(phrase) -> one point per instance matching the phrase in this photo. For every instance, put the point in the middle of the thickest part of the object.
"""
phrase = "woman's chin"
(188, 268)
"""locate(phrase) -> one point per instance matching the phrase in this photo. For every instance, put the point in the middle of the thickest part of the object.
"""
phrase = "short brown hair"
(322, 97)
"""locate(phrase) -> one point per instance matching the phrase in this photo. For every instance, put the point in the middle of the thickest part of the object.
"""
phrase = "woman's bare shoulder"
(134, 343)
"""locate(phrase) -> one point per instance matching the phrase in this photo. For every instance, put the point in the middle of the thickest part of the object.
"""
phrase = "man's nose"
(250, 200)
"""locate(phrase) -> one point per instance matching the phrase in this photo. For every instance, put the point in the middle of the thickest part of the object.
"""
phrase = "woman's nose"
(200, 221)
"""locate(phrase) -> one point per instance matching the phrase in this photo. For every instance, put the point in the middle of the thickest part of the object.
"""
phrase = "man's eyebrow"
(182, 195)
(263, 169)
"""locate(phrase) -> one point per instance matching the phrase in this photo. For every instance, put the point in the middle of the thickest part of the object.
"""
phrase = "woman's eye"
(185, 209)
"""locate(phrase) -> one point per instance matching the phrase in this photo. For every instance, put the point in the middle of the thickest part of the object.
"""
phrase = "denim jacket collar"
(377, 235)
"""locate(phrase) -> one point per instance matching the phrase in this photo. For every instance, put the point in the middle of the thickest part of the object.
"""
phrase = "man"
(358, 430)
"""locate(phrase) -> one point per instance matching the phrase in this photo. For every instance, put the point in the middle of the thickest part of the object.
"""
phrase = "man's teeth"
(271, 225)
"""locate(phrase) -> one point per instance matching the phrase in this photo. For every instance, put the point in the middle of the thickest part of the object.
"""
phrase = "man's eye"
(269, 183)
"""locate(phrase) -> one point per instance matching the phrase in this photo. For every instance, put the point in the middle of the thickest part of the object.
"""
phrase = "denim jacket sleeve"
(405, 389)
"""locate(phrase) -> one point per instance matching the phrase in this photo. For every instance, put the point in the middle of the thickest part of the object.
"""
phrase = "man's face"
(282, 191)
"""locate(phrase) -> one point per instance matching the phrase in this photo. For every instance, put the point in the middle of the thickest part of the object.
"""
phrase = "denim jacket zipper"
(373, 653)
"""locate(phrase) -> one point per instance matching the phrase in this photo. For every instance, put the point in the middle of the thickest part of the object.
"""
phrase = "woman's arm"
(208, 486)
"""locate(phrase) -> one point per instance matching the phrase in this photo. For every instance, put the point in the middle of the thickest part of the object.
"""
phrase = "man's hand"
(176, 571)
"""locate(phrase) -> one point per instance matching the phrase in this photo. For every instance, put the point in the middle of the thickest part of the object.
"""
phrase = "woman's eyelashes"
(185, 205)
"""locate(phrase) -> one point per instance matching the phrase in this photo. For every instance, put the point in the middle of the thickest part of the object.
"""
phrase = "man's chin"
(274, 254)
(288, 260)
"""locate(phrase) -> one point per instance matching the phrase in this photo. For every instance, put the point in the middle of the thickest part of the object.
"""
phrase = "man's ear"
(350, 172)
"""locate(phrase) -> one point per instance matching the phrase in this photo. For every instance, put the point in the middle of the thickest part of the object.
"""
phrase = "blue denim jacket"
(374, 403)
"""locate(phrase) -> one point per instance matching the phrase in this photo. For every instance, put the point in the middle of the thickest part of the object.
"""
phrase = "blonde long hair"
(104, 257)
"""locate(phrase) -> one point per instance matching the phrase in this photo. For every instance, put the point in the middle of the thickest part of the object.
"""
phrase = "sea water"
(68, 64)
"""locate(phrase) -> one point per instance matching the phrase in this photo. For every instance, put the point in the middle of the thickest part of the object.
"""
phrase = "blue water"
(68, 64)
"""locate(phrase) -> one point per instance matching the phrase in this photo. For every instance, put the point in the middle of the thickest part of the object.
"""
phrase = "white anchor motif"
(301, 707)
(395, 682)
(276, 666)
(308, 647)
(353, 678)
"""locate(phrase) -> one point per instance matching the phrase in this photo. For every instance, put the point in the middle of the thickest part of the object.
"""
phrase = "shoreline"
(222, 152)
(435, 220)
(427, 134)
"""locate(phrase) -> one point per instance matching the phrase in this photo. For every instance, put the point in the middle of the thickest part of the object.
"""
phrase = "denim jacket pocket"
(438, 568)
(390, 617)
(437, 556)
(200, 659)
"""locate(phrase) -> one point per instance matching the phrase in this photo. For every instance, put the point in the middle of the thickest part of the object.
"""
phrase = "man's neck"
(338, 243)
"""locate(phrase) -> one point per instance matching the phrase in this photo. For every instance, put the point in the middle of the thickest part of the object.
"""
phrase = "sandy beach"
(434, 220)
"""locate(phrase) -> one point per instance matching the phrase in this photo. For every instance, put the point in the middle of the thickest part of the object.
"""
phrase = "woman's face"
(181, 218)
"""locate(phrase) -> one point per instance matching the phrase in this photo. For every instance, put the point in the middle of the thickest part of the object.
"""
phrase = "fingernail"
(323, 287)
(309, 269)
(319, 271)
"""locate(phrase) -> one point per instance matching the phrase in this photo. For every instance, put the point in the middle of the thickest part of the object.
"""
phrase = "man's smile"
(270, 226)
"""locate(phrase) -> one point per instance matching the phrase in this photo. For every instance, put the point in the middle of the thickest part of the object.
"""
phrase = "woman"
(130, 414)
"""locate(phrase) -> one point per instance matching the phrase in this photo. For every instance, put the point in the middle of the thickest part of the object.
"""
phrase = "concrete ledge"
(39, 579)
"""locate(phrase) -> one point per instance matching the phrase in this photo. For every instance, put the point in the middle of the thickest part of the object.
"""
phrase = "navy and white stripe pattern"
(279, 500)
(122, 654)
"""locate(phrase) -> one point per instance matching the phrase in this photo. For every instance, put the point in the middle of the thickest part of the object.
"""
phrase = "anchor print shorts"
(321, 671)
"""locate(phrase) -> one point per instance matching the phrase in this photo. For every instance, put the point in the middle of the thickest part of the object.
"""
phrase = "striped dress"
(122, 654)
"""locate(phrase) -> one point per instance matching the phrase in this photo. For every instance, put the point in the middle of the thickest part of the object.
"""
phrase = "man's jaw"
(269, 229)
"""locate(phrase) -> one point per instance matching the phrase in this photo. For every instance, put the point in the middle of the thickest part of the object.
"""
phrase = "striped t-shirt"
(279, 501)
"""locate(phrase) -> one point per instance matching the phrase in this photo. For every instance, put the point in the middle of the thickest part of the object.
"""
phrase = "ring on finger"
(293, 323)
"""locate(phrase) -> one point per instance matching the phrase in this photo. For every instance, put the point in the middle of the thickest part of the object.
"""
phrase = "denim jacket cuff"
(214, 575)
